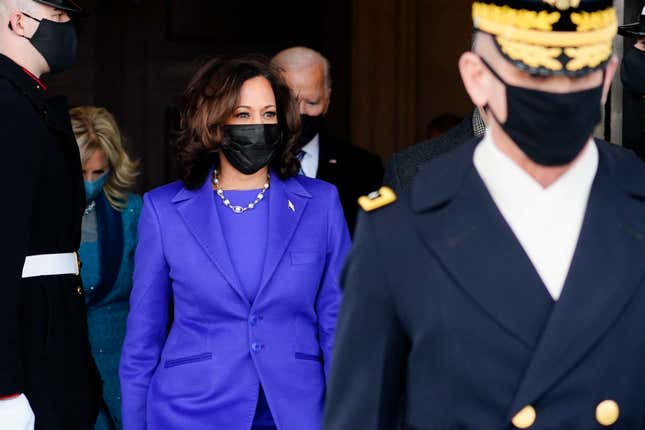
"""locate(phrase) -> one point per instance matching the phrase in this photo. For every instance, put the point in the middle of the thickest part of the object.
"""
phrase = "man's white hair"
(8, 6)
(300, 57)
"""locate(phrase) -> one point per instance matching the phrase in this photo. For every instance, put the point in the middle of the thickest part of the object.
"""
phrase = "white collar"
(546, 221)
(309, 162)
(313, 147)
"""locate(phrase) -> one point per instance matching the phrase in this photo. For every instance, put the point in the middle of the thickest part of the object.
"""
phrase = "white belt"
(51, 265)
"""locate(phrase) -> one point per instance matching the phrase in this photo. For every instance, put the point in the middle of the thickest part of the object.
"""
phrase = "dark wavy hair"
(209, 101)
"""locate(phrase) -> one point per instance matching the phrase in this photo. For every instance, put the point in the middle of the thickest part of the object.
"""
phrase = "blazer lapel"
(327, 160)
(197, 209)
(287, 204)
(605, 272)
(464, 230)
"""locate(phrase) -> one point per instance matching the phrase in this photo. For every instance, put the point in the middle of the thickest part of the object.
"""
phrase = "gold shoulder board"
(378, 199)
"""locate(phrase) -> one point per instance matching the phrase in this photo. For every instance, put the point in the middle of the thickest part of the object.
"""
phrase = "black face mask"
(250, 147)
(57, 43)
(550, 128)
(311, 126)
(632, 71)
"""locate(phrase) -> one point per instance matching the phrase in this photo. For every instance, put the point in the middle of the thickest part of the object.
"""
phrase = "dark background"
(394, 63)
(633, 106)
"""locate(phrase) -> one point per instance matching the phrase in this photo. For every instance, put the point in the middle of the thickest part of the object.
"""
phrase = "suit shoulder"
(350, 150)
(165, 193)
(414, 154)
(616, 152)
(358, 153)
(315, 187)
(389, 218)
(447, 161)
(625, 166)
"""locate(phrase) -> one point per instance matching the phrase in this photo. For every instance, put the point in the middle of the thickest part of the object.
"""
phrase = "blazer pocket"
(309, 357)
(305, 257)
(187, 360)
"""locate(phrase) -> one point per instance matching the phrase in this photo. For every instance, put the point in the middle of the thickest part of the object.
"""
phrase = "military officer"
(47, 376)
(506, 289)
(632, 71)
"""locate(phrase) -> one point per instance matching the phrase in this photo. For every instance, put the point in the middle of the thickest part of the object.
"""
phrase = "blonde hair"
(95, 128)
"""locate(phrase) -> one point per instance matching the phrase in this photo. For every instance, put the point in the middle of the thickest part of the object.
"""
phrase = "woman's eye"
(270, 114)
(242, 115)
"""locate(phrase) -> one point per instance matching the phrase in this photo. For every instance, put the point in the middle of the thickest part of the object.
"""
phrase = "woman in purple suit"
(247, 255)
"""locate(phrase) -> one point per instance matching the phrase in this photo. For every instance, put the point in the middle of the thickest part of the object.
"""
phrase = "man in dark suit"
(404, 165)
(353, 170)
(632, 73)
(47, 374)
(506, 288)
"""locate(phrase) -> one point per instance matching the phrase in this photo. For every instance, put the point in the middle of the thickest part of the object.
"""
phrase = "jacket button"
(79, 291)
(256, 347)
(607, 413)
(525, 418)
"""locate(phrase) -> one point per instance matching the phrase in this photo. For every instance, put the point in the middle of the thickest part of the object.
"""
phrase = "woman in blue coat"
(108, 241)
(248, 255)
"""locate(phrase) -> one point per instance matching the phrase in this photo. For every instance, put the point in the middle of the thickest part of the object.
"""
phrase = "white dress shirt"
(309, 163)
(545, 221)
(16, 414)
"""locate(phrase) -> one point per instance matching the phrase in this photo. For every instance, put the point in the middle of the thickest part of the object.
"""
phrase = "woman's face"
(96, 166)
(256, 104)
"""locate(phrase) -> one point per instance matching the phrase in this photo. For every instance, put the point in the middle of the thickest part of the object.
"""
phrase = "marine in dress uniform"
(484, 298)
(45, 353)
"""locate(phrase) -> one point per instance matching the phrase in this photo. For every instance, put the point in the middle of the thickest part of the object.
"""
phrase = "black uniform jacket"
(442, 306)
(404, 165)
(44, 344)
(353, 170)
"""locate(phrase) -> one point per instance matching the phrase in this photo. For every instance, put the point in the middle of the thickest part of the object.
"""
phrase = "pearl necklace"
(240, 209)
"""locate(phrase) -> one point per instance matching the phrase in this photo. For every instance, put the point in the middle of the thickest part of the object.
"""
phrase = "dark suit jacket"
(353, 170)
(404, 165)
(442, 304)
(44, 346)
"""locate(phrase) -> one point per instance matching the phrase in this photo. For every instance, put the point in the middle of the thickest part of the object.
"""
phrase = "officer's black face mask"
(311, 126)
(250, 147)
(56, 41)
(632, 71)
(550, 128)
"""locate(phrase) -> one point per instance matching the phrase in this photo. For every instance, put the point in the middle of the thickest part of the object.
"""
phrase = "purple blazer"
(205, 372)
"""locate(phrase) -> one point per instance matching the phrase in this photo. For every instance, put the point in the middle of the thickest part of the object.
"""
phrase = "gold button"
(79, 290)
(607, 413)
(525, 418)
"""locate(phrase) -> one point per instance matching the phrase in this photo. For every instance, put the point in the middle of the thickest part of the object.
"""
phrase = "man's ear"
(610, 72)
(16, 23)
(328, 94)
(476, 81)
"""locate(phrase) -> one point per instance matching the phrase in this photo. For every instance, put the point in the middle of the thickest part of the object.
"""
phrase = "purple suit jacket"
(204, 373)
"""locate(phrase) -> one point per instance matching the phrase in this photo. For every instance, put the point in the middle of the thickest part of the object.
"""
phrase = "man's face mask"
(311, 126)
(57, 42)
(550, 128)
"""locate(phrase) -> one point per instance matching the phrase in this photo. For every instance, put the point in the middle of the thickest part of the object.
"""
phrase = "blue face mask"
(94, 188)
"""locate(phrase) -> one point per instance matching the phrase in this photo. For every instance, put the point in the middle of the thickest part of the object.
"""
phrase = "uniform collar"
(441, 179)
(21, 78)
(39, 84)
